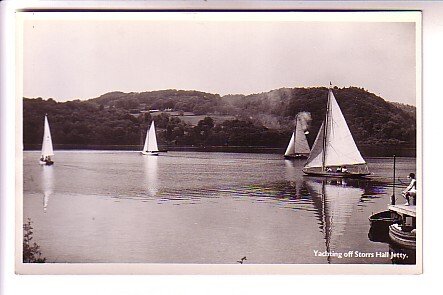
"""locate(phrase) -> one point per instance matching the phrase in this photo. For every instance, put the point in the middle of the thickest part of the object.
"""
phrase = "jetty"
(403, 210)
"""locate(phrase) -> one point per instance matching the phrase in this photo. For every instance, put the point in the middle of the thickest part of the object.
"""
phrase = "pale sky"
(73, 59)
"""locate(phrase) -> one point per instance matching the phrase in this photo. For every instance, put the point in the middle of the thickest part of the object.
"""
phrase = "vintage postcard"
(218, 143)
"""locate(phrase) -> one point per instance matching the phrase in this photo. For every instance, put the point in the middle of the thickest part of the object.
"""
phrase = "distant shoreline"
(367, 150)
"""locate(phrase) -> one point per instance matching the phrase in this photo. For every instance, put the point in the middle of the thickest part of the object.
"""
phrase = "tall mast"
(325, 131)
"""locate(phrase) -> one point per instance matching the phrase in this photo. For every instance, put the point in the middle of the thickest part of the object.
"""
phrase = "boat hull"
(295, 157)
(46, 163)
(336, 174)
(380, 222)
(405, 239)
(383, 219)
(149, 153)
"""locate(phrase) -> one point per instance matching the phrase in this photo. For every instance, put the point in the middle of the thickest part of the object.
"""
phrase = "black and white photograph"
(218, 142)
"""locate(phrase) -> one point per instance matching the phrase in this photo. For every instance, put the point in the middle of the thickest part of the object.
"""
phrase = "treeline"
(264, 119)
(84, 123)
(370, 118)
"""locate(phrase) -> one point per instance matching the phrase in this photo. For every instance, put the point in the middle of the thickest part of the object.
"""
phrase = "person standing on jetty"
(410, 191)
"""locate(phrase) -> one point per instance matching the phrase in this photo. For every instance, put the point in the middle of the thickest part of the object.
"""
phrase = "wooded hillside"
(264, 119)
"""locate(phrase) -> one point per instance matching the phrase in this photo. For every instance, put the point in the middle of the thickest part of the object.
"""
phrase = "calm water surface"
(189, 207)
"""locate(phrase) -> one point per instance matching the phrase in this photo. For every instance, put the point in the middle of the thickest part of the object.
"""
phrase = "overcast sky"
(72, 59)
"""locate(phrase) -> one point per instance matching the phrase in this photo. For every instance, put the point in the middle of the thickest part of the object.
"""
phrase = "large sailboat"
(334, 152)
(298, 147)
(150, 148)
(47, 150)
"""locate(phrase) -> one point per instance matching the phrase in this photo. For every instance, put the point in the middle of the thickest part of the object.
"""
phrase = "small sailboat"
(298, 147)
(334, 152)
(47, 150)
(150, 148)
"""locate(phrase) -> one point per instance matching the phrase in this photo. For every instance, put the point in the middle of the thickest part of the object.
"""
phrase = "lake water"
(190, 207)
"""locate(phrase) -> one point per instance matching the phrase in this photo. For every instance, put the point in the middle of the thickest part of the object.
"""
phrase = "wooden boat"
(337, 174)
(298, 147)
(402, 237)
(383, 219)
(334, 153)
(295, 157)
(47, 149)
(379, 225)
(150, 148)
(404, 233)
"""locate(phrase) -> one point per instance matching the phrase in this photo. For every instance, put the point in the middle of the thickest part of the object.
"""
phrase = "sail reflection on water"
(335, 202)
(47, 184)
(150, 165)
(290, 170)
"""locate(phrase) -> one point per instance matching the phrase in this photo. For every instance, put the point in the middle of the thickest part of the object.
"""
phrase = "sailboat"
(334, 152)
(150, 148)
(298, 147)
(47, 150)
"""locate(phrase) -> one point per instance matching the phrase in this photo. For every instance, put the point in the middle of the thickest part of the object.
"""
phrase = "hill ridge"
(265, 118)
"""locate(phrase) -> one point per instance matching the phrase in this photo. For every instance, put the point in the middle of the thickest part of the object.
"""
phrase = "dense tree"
(264, 119)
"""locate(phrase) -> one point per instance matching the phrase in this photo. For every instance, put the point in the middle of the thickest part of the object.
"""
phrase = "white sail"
(341, 147)
(151, 140)
(316, 156)
(47, 149)
(291, 146)
(338, 148)
(298, 143)
(301, 143)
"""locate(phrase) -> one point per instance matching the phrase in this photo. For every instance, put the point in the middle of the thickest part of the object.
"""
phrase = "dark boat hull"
(380, 222)
(383, 219)
(336, 174)
(295, 157)
(155, 154)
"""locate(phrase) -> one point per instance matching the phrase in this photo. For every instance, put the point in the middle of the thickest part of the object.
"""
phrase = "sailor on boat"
(410, 191)
(335, 147)
(47, 160)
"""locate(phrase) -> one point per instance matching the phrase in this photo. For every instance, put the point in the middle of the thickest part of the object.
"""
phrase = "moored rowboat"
(383, 219)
